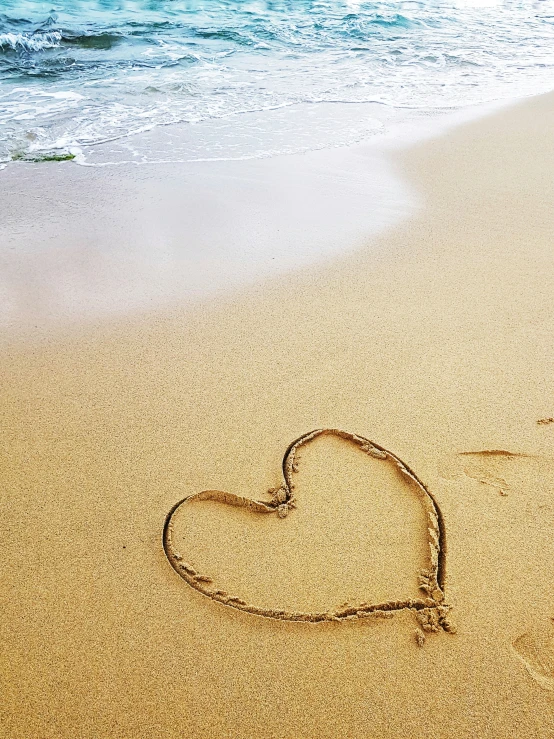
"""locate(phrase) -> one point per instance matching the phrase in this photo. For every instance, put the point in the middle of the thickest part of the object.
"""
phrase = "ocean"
(111, 81)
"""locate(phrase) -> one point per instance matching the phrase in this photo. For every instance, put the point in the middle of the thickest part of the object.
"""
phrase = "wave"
(39, 40)
(30, 41)
(102, 70)
(99, 41)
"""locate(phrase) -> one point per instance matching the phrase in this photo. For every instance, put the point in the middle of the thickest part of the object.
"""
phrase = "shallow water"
(237, 79)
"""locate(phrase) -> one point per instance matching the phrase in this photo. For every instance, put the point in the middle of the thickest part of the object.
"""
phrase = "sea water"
(110, 81)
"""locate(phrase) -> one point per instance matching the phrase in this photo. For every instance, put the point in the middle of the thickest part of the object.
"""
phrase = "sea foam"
(230, 79)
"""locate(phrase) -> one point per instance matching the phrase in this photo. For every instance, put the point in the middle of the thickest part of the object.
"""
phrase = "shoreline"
(177, 225)
(180, 233)
(385, 125)
(431, 340)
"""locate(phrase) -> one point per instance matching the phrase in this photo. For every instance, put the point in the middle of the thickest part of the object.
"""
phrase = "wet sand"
(433, 340)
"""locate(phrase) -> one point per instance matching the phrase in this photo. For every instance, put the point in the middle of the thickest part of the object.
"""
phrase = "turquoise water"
(158, 80)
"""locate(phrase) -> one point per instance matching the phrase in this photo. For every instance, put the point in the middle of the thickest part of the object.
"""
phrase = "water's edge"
(188, 80)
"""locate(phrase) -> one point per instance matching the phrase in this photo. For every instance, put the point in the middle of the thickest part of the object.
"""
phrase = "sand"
(434, 341)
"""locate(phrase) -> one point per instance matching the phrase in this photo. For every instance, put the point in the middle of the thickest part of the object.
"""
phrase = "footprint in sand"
(529, 479)
(498, 469)
(535, 649)
(491, 467)
(356, 504)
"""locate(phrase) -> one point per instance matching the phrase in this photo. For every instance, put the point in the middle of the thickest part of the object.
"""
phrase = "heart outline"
(431, 611)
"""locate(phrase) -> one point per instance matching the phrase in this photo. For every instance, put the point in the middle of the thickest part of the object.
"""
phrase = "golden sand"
(435, 343)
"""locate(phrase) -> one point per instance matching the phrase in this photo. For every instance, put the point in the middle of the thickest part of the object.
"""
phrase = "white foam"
(223, 98)
(30, 42)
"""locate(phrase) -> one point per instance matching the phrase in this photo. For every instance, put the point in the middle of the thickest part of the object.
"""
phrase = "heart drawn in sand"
(430, 610)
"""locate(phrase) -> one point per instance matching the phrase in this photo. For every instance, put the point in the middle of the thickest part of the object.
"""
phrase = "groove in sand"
(431, 611)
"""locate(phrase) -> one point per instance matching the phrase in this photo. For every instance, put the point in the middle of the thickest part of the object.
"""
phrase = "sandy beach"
(431, 337)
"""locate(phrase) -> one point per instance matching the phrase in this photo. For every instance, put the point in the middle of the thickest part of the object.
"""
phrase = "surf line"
(431, 611)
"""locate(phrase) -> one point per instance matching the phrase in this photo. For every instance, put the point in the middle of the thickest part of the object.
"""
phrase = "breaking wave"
(30, 42)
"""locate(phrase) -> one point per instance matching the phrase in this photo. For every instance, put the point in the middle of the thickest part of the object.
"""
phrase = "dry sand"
(434, 341)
